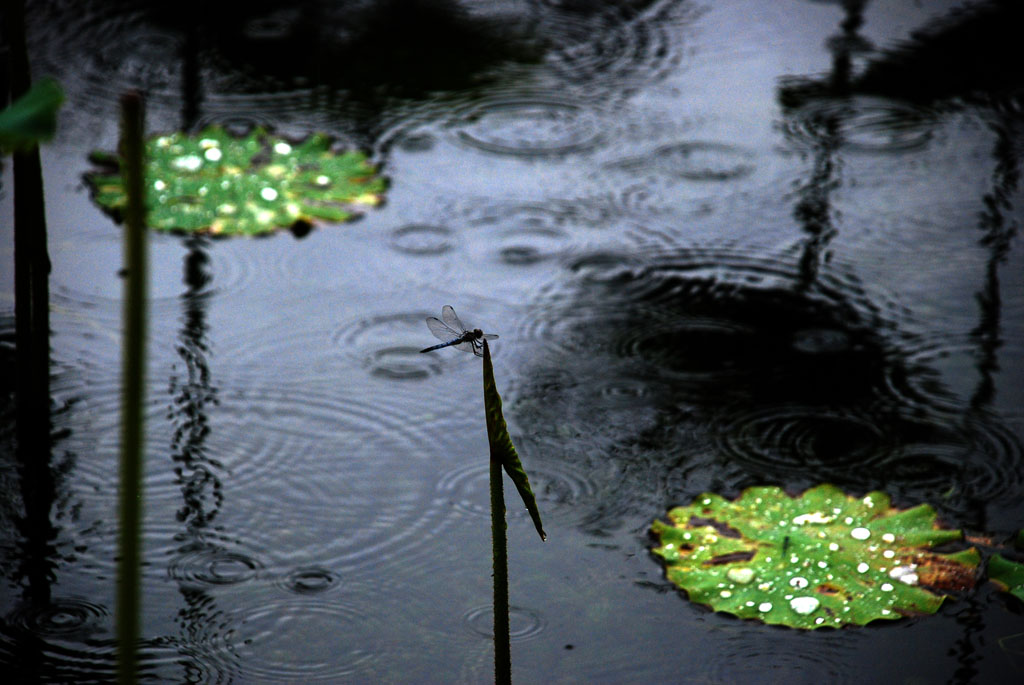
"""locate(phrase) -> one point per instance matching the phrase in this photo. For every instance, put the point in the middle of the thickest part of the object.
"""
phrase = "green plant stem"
(132, 388)
(499, 545)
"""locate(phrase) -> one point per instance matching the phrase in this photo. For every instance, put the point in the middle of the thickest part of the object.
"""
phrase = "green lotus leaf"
(821, 559)
(215, 182)
(1007, 575)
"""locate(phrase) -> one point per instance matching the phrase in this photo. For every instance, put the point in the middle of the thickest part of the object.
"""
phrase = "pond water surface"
(719, 249)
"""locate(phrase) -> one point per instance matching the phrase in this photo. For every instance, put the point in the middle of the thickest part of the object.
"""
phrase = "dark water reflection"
(724, 244)
(777, 381)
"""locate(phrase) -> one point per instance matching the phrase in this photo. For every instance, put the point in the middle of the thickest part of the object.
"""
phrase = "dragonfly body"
(454, 334)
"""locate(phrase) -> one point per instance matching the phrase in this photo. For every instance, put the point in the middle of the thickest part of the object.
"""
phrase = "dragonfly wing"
(441, 330)
(490, 336)
(452, 319)
(467, 346)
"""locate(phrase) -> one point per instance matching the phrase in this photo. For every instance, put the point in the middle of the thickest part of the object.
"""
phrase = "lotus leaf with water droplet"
(1007, 575)
(218, 183)
(823, 558)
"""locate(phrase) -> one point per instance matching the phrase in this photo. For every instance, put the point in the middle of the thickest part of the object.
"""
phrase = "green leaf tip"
(32, 118)
(1007, 575)
(822, 559)
(221, 184)
(502, 449)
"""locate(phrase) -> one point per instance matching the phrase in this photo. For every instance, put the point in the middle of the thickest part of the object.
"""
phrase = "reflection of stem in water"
(997, 237)
(813, 210)
(199, 618)
(998, 234)
(32, 337)
(192, 394)
(965, 649)
(191, 85)
(842, 45)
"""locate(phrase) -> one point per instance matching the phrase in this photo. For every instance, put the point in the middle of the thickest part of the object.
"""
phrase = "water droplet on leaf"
(804, 605)
(188, 163)
(740, 575)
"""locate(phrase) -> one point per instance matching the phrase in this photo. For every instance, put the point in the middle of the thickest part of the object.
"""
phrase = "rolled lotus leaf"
(502, 449)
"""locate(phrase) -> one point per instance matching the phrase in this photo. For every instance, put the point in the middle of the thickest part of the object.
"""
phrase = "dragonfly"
(454, 334)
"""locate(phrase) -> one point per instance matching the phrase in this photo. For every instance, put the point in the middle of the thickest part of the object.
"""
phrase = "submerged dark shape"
(968, 54)
(378, 48)
(712, 361)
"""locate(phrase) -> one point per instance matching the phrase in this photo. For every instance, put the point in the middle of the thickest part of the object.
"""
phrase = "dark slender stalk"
(132, 387)
(32, 323)
(499, 546)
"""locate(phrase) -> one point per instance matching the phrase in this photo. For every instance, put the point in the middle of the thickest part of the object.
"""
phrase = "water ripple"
(310, 580)
(292, 112)
(698, 160)
(559, 488)
(318, 451)
(295, 640)
(609, 44)
(289, 450)
(705, 314)
(66, 640)
(525, 126)
(65, 619)
(201, 564)
(384, 345)
(388, 345)
(33, 657)
(423, 239)
(96, 397)
(800, 439)
(524, 624)
(746, 656)
(975, 459)
(971, 463)
(549, 228)
(528, 245)
(113, 49)
(863, 124)
(734, 360)
(86, 283)
(309, 640)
